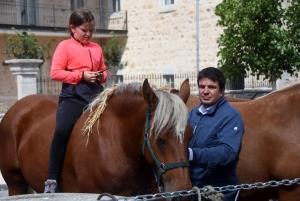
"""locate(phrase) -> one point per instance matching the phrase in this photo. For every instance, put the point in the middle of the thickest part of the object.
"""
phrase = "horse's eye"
(159, 140)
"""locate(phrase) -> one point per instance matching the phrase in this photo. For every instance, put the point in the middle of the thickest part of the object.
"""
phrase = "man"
(218, 129)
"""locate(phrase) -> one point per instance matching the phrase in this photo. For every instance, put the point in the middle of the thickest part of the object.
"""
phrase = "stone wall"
(160, 40)
(163, 40)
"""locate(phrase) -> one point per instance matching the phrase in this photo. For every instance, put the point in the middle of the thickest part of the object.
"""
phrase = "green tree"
(256, 39)
(113, 52)
(25, 46)
(293, 25)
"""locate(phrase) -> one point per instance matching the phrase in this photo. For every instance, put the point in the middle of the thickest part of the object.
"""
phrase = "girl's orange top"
(71, 58)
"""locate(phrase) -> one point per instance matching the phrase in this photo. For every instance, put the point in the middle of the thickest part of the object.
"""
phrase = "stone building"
(48, 20)
(164, 36)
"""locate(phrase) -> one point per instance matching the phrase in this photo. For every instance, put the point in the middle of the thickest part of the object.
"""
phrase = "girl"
(79, 64)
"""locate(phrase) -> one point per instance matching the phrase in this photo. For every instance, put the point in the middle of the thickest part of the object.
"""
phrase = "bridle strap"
(146, 129)
(162, 168)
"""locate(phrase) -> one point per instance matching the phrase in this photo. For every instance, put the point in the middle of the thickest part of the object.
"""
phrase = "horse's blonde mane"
(171, 112)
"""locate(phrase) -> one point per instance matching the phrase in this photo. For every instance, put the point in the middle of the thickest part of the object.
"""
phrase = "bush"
(113, 52)
(25, 46)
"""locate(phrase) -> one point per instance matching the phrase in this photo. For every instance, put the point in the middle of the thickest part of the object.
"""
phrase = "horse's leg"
(289, 193)
(10, 165)
(30, 190)
(16, 183)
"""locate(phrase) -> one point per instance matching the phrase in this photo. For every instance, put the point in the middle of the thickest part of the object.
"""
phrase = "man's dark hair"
(213, 74)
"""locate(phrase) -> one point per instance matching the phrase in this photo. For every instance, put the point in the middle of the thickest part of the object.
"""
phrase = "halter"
(162, 168)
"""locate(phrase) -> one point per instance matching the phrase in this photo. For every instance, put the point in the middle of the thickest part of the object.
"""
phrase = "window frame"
(116, 6)
(29, 13)
(167, 5)
(170, 79)
(169, 2)
(75, 4)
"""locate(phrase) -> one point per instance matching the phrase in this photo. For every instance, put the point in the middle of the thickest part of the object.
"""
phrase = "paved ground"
(3, 187)
(58, 197)
(52, 197)
(3, 192)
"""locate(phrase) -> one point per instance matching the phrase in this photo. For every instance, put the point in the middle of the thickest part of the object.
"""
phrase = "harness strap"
(162, 168)
(146, 129)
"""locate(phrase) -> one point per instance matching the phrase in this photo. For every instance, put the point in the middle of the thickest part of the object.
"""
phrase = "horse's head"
(167, 135)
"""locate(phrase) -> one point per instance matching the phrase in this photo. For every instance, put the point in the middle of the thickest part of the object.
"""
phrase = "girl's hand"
(90, 76)
(99, 76)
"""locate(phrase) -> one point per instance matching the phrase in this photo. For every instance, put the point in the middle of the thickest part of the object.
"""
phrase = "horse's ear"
(149, 95)
(184, 92)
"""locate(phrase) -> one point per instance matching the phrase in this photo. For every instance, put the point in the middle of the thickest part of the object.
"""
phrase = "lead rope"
(210, 194)
(198, 192)
(108, 195)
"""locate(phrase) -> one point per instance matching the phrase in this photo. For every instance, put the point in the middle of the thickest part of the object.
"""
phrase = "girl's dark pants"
(67, 114)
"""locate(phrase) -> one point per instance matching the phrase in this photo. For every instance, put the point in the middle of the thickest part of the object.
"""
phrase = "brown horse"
(141, 131)
(194, 100)
(271, 144)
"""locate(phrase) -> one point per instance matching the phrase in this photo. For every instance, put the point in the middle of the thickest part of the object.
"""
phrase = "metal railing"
(174, 80)
(3, 108)
(252, 81)
(47, 86)
(57, 16)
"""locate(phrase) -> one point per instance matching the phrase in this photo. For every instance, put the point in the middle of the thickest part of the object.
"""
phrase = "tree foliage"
(113, 52)
(258, 38)
(25, 46)
(292, 22)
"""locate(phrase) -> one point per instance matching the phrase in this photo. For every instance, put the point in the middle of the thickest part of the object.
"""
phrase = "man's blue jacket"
(216, 145)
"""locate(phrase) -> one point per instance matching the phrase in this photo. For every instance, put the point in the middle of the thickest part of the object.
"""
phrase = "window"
(77, 4)
(167, 5)
(116, 5)
(169, 2)
(169, 79)
(29, 12)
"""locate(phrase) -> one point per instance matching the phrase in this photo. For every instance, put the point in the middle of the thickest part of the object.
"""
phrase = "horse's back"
(271, 141)
(194, 101)
(30, 109)
(26, 129)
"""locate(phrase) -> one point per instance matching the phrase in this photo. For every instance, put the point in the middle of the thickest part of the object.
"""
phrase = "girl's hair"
(80, 16)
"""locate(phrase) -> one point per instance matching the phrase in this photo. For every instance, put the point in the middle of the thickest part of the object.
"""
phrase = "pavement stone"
(58, 197)
(3, 187)
(52, 196)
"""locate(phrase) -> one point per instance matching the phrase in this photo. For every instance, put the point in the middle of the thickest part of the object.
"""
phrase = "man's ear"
(222, 91)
